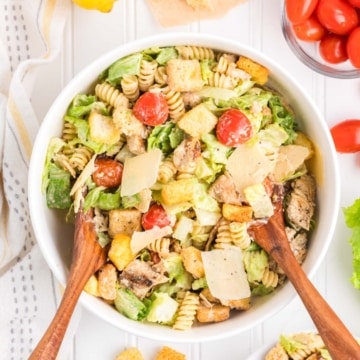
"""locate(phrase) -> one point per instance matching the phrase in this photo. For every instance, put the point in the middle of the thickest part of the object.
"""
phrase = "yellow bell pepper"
(100, 5)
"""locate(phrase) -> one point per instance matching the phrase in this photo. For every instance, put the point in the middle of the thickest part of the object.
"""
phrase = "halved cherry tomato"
(332, 48)
(338, 16)
(355, 3)
(346, 136)
(233, 128)
(151, 108)
(155, 216)
(310, 30)
(298, 11)
(353, 47)
(108, 172)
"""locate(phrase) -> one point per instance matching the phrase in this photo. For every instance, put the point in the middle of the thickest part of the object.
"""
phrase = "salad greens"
(352, 220)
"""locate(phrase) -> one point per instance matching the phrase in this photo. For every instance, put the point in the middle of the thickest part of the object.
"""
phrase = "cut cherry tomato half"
(233, 128)
(155, 216)
(151, 108)
(108, 172)
(346, 136)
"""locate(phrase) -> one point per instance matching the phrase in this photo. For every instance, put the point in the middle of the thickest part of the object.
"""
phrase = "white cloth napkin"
(31, 34)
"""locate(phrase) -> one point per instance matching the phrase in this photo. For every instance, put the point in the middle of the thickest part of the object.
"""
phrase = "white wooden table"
(257, 23)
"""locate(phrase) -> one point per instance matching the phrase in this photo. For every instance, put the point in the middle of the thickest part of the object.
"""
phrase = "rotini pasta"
(175, 103)
(195, 52)
(239, 234)
(130, 87)
(186, 313)
(167, 170)
(147, 74)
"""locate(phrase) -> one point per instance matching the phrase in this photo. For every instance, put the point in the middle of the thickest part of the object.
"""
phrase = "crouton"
(120, 252)
(92, 286)
(258, 72)
(131, 353)
(237, 213)
(191, 258)
(167, 353)
(179, 191)
(184, 75)
(103, 129)
(214, 313)
(107, 282)
(198, 121)
(124, 221)
(302, 140)
(239, 304)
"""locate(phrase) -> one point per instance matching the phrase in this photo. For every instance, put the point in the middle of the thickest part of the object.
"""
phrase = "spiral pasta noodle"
(195, 52)
(69, 131)
(186, 312)
(161, 246)
(167, 170)
(270, 278)
(147, 74)
(224, 236)
(175, 103)
(160, 76)
(221, 80)
(239, 234)
(111, 95)
(130, 87)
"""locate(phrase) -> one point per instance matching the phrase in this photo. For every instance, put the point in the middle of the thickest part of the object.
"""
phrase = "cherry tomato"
(355, 3)
(151, 108)
(298, 11)
(155, 216)
(332, 48)
(353, 47)
(310, 30)
(338, 16)
(346, 136)
(233, 128)
(108, 172)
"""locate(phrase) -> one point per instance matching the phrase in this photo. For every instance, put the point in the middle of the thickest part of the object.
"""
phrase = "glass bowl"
(308, 54)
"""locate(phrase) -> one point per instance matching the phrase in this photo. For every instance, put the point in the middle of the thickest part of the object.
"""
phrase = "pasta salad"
(179, 151)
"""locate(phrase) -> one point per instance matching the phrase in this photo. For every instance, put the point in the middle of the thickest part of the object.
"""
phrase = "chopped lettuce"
(162, 309)
(215, 151)
(290, 345)
(177, 273)
(101, 199)
(58, 188)
(165, 137)
(352, 220)
(166, 54)
(128, 304)
(255, 263)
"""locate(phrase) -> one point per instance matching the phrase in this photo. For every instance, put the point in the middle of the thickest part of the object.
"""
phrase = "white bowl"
(55, 238)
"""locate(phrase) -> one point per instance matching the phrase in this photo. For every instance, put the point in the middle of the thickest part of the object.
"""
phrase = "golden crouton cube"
(167, 353)
(120, 252)
(92, 286)
(179, 191)
(208, 296)
(198, 121)
(124, 221)
(107, 282)
(103, 129)
(213, 313)
(302, 140)
(184, 75)
(191, 257)
(239, 304)
(237, 213)
(258, 72)
(131, 353)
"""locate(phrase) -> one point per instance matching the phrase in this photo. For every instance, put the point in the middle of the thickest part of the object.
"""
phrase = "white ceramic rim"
(270, 305)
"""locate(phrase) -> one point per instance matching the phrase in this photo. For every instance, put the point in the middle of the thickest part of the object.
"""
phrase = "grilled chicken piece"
(298, 243)
(224, 191)
(186, 155)
(140, 277)
(301, 204)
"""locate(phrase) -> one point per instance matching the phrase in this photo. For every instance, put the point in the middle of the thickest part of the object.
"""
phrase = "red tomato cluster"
(335, 24)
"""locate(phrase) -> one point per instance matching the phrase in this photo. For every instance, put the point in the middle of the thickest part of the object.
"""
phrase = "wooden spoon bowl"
(272, 238)
(88, 257)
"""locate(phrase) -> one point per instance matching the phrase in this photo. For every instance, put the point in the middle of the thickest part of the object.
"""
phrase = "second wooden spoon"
(272, 238)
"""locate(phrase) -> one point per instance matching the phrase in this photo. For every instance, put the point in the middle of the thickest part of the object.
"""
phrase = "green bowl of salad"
(179, 144)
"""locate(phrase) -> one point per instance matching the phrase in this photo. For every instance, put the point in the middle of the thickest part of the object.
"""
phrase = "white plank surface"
(256, 23)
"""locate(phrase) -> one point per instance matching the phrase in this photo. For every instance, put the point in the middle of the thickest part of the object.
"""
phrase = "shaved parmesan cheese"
(248, 165)
(141, 239)
(225, 273)
(80, 181)
(140, 172)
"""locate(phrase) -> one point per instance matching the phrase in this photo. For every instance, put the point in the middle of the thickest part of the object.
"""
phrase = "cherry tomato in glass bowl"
(353, 47)
(332, 48)
(155, 216)
(346, 136)
(310, 30)
(355, 3)
(338, 16)
(299, 10)
(233, 128)
(151, 108)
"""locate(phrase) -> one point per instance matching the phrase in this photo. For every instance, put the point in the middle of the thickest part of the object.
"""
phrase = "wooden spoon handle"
(50, 343)
(337, 338)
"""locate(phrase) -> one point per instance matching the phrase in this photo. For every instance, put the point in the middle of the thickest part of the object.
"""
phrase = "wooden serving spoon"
(272, 238)
(88, 257)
